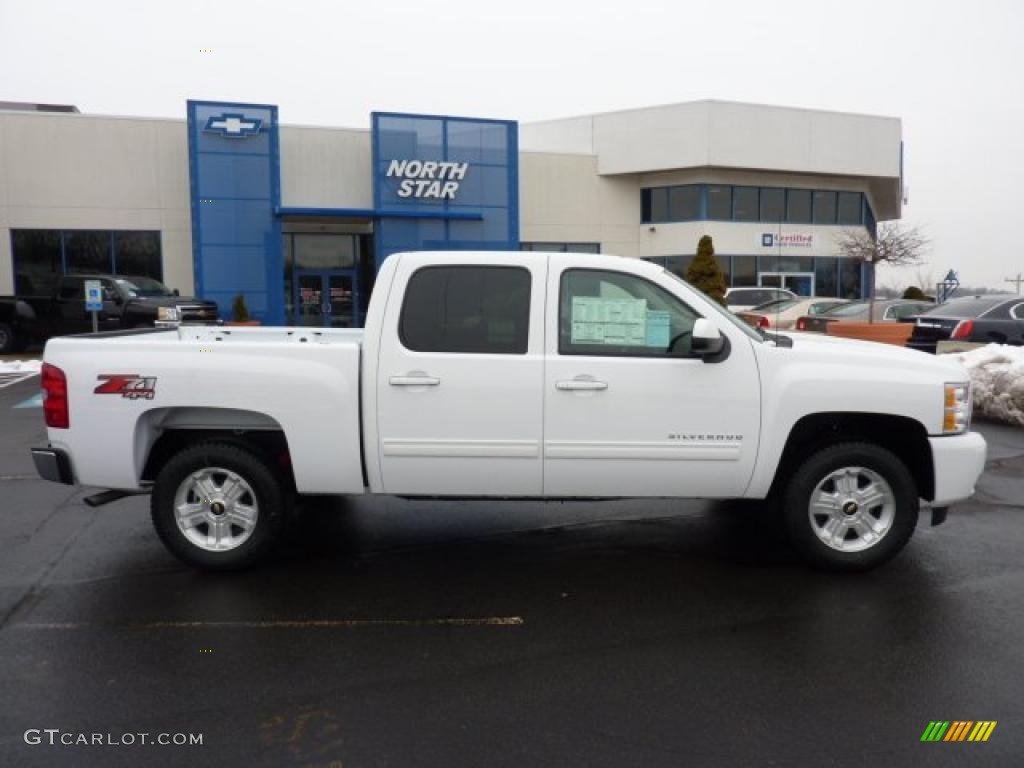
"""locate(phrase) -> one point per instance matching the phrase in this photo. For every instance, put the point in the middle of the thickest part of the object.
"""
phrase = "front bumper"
(53, 464)
(958, 461)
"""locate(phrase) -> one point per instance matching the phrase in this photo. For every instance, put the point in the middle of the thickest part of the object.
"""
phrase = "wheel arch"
(905, 437)
(160, 433)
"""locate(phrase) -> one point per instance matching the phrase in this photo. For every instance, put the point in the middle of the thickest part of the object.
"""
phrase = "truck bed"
(127, 388)
(281, 335)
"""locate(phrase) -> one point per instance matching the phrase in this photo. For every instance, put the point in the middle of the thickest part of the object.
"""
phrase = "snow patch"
(20, 366)
(997, 375)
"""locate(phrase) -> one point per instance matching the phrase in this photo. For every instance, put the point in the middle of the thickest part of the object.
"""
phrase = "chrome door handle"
(414, 381)
(581, 384)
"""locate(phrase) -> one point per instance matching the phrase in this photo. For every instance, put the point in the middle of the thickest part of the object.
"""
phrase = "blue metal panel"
(482, 213)
(379, 213)
(235, 186)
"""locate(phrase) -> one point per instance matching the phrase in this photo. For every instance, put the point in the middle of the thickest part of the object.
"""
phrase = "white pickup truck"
(498, 374)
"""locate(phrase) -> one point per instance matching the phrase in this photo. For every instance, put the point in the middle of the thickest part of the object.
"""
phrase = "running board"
(105, 497)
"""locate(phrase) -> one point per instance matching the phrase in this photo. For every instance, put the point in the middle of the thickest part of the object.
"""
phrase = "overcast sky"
(953, 71)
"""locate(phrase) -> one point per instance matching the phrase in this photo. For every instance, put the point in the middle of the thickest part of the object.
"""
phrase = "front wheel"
(218, 506)
(851, 507)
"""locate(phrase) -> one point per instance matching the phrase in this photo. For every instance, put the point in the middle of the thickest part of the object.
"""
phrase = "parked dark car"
(885, 311)
(128, 302)
(998, 318)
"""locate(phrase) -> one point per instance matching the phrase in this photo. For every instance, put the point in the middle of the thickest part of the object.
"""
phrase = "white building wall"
(802, 140)
(86, 172)
(715, 134)
(573, 135)
(563, 199)
(741, 238)
(326, 168)
(734, 238)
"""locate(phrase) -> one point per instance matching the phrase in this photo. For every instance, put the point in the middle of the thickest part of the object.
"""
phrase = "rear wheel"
(851, 507)
(218, 506)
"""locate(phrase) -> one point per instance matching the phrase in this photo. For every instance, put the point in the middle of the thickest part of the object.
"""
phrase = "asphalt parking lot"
(399, 633)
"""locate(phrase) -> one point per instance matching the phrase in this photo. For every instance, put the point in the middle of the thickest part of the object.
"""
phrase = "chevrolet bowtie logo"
(234, 126)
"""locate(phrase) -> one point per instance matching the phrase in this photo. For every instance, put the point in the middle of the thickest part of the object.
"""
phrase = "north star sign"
(234, 126)
(427, 179)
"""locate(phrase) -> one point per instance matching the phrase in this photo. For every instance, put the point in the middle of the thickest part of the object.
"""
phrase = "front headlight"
(167, 314)
(956, 414)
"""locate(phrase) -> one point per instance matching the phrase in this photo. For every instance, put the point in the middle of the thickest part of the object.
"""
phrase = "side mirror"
(176, 292)
(707, 339)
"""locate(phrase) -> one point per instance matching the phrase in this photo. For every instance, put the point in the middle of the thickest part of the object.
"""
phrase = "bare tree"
(893, 245)
(926, 279)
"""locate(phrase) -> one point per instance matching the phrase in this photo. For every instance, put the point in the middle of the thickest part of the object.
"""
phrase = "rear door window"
(467, 310)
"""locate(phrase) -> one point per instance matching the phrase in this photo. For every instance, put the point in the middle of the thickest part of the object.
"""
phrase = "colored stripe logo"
(958, 730)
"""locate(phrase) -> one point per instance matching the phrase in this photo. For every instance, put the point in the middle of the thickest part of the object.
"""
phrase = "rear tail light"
(801, 324)
(55, 397)
(963, 329)
(763, 322)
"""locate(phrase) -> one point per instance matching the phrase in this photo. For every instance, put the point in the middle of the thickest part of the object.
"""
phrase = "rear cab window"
(464, 309)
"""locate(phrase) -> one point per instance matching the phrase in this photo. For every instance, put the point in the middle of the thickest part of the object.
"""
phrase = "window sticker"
(619, 322)
(658, 334)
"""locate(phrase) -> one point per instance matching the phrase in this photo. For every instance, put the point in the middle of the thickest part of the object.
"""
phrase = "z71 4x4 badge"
(129, 385)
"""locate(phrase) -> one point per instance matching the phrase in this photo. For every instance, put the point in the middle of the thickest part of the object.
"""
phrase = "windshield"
(747, 330)
(143, 286)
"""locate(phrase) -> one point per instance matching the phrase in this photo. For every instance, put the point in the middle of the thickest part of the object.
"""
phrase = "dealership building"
(298, 219)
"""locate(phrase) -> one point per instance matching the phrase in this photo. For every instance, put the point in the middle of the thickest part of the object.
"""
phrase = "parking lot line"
(487, 621)
(9, 379)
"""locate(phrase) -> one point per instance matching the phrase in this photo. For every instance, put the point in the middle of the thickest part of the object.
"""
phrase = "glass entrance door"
(800, 283)
(326, 298)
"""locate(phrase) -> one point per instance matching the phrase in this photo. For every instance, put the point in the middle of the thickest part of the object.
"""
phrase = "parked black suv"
(128, 302)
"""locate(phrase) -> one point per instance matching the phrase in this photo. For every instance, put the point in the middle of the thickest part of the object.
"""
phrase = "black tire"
(802, 527)
(8, 339)
(267, 492)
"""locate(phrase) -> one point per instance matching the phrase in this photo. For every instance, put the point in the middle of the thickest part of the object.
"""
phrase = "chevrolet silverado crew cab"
(508, 375)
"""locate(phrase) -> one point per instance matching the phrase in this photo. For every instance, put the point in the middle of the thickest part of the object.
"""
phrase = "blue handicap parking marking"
(36, 401)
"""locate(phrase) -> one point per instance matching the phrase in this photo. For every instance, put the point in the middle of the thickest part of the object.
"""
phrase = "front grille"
(198, 314)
